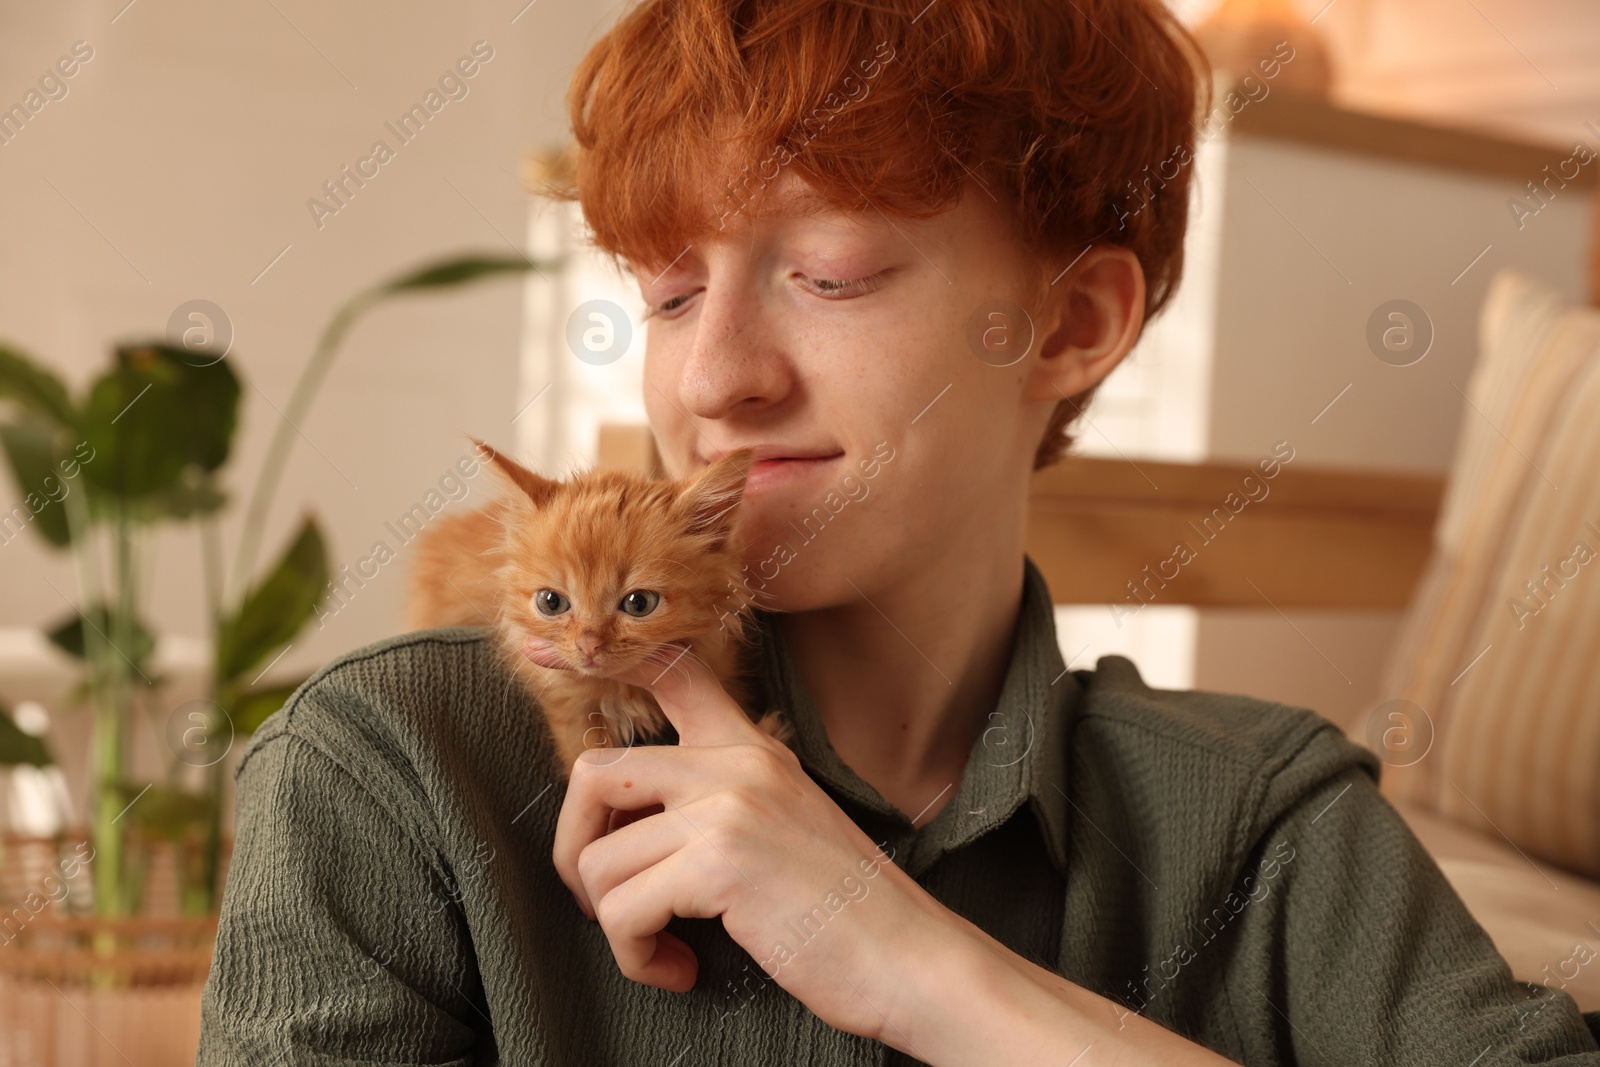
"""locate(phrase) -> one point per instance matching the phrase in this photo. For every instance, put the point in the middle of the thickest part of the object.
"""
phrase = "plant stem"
(124, 614)
(109, 734)
(108, 855)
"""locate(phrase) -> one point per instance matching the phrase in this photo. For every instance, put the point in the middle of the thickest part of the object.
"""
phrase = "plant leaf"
(159, 410)
(35, 388)
(460, 270)
(249, 708)
(17, 747)
(275, 610)
(32, 447)
(69, 635)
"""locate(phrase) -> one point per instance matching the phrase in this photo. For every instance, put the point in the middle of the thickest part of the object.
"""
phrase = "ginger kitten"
(601, 572)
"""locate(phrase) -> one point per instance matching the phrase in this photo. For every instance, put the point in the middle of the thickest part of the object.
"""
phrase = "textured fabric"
(1226, 866)
(1498, 646)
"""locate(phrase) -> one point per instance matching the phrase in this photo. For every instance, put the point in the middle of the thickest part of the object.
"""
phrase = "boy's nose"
(733, 361)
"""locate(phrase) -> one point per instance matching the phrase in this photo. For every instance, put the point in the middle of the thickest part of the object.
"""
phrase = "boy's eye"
(640, 603)
(550, 603)
(827, 287)
(845, 286)
(666, 307)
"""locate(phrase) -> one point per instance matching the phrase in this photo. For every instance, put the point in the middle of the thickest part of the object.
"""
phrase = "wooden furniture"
(1105, 531)
(1311, 120)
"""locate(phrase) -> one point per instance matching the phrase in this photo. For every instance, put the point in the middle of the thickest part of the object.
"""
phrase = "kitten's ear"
(711, 502)
(516, 476)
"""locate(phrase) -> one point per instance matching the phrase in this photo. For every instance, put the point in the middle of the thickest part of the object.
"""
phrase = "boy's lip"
(773, 465)
(763, 453)
(779, 470)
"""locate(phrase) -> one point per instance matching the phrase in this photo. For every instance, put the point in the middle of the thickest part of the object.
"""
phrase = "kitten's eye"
(640, 603)
(550, 603)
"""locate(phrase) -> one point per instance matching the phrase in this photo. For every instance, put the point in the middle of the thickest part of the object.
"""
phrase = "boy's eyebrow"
(802, 199)
(797, 201)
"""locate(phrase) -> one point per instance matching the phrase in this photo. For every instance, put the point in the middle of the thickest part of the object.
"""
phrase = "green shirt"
(1225, 866)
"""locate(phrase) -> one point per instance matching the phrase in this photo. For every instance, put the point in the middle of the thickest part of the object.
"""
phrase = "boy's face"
(865, 346)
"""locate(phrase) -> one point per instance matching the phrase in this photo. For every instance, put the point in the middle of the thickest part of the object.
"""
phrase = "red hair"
(685, 109)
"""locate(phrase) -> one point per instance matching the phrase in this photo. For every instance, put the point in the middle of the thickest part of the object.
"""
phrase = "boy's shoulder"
(410, 699)
(1189, 754)
(1245, 730)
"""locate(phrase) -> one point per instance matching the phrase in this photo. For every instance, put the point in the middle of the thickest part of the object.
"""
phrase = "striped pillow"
(1500, 644)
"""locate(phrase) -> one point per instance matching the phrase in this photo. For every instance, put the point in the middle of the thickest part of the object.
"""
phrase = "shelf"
(1310, 120)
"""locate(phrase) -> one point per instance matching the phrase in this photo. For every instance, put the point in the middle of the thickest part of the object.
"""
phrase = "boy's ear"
(710, 504)
(515, 476)
(1091, 318)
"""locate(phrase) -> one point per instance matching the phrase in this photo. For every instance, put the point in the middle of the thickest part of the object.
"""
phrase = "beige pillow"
(1501, 646)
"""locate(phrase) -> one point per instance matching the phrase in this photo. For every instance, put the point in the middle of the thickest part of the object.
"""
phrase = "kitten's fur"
(594, 539)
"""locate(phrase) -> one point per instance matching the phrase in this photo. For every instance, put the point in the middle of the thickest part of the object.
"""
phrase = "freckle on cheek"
(627, 785)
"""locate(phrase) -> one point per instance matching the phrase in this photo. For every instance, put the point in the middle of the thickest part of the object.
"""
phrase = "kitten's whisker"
(661, 662)
(657, 657)
(508, 659)
(679, 653)
(690, 653)
(513, 678)
(744, 615)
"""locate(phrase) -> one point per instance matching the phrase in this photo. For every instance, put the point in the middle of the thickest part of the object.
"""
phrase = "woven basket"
(80, 990)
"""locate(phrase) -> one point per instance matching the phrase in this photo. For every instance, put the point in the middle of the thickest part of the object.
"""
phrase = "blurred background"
(184, 168)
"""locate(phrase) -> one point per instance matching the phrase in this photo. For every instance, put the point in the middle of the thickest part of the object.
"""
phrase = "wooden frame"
(1219, 534)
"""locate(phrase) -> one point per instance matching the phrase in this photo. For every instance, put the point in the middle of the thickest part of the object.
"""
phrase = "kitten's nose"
(589, 644)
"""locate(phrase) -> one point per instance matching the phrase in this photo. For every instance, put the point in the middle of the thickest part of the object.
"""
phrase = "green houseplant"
(148, 443)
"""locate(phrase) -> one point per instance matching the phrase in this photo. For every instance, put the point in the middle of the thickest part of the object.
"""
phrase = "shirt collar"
(1019, 758)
